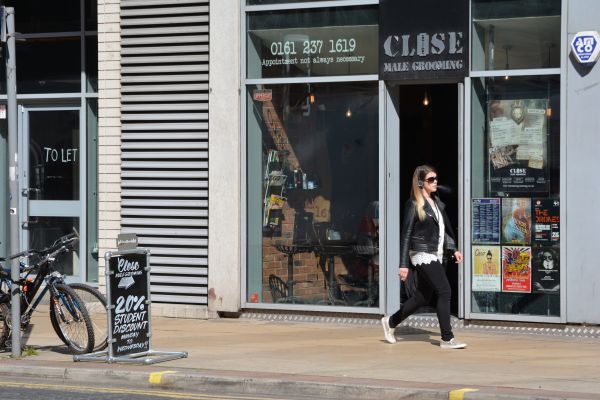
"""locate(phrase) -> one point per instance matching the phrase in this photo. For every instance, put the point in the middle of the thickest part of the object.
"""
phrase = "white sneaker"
(452, 344)
(388, 332)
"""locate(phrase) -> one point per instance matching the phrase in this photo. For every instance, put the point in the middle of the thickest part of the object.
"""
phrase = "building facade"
(263, 149)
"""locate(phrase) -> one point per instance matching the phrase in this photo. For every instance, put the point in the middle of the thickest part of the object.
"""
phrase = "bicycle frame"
(31, 298)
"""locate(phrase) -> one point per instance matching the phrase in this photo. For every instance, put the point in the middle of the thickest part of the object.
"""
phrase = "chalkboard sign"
(129, 314)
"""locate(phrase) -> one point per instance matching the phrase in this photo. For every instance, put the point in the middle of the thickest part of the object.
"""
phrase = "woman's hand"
(458, 257)
(403, 273)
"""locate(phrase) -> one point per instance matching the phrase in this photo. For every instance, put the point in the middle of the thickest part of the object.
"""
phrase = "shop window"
(515, 34)
(515, 208)
(265, 2)
(34, 16)
(313, 190)
(61, 61)
(43, 231)
(91, 63)
(91, 15)
(320, 42)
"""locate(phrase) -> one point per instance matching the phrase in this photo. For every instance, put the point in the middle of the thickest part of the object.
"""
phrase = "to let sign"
(424, 39)
(585, 46)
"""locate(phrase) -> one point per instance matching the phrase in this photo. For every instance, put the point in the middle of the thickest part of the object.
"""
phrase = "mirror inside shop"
(313, 207)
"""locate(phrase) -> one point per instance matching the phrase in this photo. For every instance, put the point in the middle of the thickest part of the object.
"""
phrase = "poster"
(546, 221)
(516, 221)
(516, 269)
(517, 146)
(486, 268)
(486, 221)
(546, 270)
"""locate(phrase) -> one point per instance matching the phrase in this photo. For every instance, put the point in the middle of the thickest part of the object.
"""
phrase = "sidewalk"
(334, 361)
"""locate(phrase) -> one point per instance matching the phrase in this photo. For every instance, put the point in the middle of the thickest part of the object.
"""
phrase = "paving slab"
(351, 361)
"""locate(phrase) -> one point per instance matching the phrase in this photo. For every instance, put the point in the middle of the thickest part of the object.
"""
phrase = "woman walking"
(426, 234)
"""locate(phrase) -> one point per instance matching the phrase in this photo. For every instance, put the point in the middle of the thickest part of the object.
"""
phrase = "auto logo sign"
(586, 46)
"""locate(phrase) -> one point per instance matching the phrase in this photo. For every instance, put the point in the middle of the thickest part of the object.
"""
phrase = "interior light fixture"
(426, 99)
(311, 98)
(348, 113)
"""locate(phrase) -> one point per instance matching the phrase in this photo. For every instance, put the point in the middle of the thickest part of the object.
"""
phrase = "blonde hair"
(416, 194)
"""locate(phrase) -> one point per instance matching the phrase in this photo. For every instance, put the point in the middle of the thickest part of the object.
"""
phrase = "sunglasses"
(547, 258)
(431, 179)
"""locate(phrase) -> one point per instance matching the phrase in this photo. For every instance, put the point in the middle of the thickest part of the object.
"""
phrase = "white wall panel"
(164, 157)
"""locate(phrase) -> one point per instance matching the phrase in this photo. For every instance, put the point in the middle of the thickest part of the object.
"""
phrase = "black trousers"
(432, 280)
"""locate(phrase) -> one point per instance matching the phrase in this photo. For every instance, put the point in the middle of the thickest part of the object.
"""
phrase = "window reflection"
(54, 155)
(61, 61)
(511, 34)
(43, 231)
(313, 194)
(34, 16)
(91, 63)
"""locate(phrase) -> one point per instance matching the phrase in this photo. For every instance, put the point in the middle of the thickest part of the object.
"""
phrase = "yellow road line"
(155, 378)
(459, 394)
(156, 393)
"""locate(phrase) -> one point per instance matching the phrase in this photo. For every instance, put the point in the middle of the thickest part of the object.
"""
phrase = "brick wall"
(109, 128)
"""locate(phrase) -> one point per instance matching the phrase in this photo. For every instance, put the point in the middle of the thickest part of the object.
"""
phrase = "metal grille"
(164, 118)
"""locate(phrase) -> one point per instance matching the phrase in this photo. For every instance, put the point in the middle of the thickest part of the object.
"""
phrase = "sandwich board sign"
(129, 311)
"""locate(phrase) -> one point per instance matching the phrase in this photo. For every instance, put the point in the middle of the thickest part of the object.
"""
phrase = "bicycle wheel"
(69, 316)
(4, 327)
(95, 304)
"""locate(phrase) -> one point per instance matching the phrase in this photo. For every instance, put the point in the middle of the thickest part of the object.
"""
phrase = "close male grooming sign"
(130, 325)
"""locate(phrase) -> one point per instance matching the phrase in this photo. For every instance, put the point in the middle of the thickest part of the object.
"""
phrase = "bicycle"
(68, 314)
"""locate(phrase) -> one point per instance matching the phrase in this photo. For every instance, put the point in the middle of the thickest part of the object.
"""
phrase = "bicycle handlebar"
(63, 241)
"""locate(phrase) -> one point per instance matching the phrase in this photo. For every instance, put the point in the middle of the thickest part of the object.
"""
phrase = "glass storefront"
(313, 193)
(515, 159)
(57, 83)
(313, 160)
(313, 157)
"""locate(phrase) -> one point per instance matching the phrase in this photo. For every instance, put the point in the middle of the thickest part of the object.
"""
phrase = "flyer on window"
(546, 270)
(516, 221)
(517, 146)
(486, 221)
(546, 221)
(486, 268)
(516, 269)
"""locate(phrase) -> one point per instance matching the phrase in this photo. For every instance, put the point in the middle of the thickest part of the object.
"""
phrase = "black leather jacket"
(423, 235)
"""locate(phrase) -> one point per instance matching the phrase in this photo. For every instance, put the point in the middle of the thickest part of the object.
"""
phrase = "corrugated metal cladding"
(164, 117)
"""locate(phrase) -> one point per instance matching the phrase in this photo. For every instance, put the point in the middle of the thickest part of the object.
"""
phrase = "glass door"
(51, 162)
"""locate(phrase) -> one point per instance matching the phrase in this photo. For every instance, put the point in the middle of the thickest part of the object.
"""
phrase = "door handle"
(27, 193)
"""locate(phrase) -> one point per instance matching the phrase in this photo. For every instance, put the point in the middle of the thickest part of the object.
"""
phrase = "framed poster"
(516, 221)
(546, 221)
(546, 270)
(486, 268)
(486, 221)
(516, 269)
(518, 146)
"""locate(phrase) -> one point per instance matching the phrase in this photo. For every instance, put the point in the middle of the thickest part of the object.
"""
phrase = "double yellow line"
(155, 393)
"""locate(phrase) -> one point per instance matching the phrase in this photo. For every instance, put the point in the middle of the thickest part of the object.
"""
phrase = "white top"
(420, 257)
